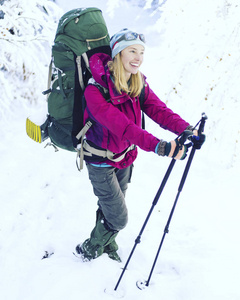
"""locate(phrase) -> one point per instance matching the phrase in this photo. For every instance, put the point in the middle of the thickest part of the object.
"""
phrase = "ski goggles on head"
(131, 36)
(128, 37)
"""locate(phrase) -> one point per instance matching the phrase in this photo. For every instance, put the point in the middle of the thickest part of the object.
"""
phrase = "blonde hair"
(135, 84)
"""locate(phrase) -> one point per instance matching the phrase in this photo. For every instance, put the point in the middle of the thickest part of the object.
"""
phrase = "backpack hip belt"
(102, 153)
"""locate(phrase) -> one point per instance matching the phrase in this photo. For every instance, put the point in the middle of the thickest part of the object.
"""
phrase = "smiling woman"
(116, 132)
(127, 53)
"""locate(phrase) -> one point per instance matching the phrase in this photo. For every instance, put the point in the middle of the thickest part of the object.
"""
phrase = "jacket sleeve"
(110, 117)
(161, 114)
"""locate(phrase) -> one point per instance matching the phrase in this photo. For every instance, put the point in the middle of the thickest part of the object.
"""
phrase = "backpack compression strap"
(80, 152)
(48, 91)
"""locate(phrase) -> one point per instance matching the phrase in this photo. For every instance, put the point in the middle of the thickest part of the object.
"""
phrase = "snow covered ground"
(192, 63)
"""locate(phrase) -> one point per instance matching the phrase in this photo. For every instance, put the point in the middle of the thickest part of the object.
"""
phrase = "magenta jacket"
(117, 124)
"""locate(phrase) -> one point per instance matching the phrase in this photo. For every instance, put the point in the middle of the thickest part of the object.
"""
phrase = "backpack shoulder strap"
(142, 100)
(104, 91)
(142, 96)
(79, 67)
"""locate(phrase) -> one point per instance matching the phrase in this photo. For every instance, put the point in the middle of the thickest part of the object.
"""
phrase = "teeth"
(136, 65)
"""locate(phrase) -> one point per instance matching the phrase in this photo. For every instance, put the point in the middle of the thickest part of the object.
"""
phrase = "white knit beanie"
(119, 46)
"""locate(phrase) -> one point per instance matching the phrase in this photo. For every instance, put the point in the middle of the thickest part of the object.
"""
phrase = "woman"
(116, 131)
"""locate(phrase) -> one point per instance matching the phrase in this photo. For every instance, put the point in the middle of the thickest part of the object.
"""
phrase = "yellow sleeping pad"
(33, 131)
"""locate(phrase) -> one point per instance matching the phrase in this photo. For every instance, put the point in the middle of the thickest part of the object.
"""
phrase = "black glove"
(198, 140)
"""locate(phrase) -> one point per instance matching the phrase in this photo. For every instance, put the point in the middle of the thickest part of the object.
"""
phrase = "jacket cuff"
(160, 148)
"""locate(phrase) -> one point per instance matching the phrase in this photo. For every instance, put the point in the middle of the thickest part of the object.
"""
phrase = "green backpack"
(81, 33)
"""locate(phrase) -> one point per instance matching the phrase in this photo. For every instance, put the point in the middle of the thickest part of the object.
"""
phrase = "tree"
(27, 31)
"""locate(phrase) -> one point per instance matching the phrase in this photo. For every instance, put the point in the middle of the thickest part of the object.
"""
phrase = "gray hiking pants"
(110, 186)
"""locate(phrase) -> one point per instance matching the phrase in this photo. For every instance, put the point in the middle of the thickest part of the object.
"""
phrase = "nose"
(138, 56)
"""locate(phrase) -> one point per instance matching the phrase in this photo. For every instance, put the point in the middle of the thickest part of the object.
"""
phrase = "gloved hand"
(198, 140)
(172, 149)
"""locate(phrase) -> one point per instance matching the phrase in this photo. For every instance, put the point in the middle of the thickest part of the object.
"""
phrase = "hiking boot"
(86, 252)
(83, 252)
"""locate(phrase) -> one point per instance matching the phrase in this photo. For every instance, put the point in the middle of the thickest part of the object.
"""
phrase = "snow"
(192, 62)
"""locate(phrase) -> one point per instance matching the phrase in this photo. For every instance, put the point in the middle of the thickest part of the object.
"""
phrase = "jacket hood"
(98, 65)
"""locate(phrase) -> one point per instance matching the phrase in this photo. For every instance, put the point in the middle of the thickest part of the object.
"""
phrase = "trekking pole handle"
(202, 123)
(184, 136)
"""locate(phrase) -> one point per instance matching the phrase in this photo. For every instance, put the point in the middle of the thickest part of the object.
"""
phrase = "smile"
(134, 65)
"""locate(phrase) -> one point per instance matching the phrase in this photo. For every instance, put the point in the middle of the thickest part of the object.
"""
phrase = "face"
(132, 58)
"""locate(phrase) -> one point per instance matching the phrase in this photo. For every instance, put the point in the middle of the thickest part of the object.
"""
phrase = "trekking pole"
(141, 284)
(182, 140)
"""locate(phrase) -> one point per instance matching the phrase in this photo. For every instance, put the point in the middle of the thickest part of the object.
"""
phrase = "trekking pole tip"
(141, 284)
(115, 293)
